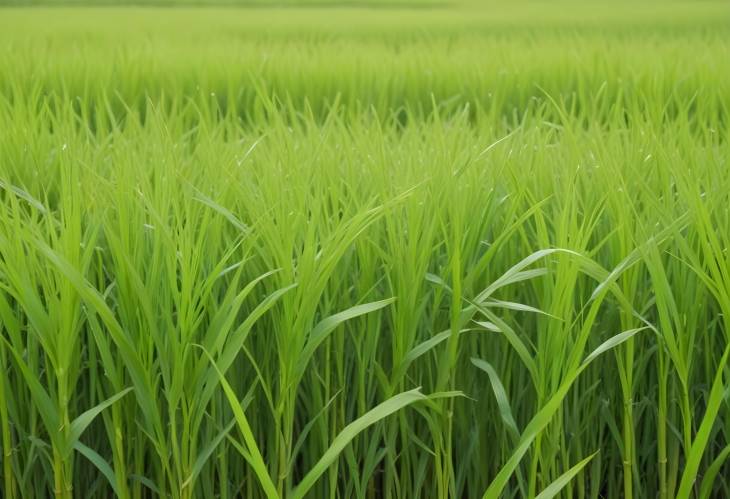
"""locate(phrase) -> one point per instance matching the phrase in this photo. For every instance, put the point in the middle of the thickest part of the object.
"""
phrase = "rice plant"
(320, 252)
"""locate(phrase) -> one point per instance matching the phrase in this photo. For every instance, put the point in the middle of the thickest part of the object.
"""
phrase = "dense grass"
(447, 252)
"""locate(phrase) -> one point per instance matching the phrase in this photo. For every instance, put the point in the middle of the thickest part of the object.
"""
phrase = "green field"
(364, 249)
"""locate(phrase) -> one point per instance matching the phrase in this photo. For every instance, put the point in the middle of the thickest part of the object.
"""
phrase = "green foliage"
(455, 251)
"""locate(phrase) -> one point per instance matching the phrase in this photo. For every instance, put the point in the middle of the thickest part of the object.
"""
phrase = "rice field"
(365, 250)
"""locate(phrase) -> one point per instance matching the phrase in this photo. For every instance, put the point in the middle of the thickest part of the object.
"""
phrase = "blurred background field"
(489, 55)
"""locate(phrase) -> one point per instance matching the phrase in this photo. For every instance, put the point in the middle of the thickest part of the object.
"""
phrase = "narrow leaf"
(79, 424)
(381, 411)
(555, 487)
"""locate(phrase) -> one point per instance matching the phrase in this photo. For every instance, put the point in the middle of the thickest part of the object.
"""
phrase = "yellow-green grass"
(460, 251)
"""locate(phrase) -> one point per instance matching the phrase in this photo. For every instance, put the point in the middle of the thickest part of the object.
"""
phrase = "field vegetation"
(365, 250)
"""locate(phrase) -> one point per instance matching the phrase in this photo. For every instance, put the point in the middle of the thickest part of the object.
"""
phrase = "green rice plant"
(318, 252)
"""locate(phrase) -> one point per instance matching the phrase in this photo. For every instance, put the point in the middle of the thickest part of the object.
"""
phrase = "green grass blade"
(343, 438)
(556, 486)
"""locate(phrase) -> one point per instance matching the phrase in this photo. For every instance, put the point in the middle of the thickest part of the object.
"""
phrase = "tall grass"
(285, 263)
